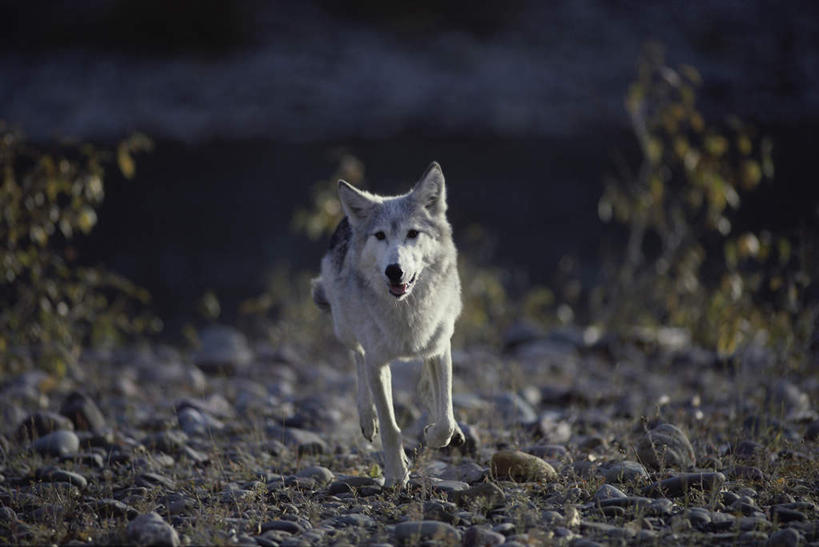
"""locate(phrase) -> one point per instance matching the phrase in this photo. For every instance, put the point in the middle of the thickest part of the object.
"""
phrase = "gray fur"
(381, 321)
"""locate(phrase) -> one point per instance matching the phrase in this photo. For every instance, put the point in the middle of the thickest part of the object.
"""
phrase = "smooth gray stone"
(608, 491)
(666, 446)
(55, 474)
(624, 472)
(42, 423)
(57, 443)
(288, 526)
(109, 507)
(151, 529)
(678, 486)
(83, 412)
(350, 484)
(414, 532)
(787, 537)
(321, 475)
(358, 520)
(306, 442)
(480, 536)
(485, 492)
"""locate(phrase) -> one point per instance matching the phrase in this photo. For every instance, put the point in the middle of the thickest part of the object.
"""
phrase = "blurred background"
(593, 150)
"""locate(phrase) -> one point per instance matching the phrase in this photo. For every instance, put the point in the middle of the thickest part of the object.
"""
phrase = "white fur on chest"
(419, 326)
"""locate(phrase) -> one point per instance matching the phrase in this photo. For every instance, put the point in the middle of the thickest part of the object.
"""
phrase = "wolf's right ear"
(357, 205)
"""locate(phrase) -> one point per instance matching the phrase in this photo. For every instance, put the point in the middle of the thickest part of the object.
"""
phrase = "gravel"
(171, 462)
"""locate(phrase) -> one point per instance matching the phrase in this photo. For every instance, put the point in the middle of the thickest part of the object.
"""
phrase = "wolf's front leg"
(443, 428)
(395, 462)
(366, 409)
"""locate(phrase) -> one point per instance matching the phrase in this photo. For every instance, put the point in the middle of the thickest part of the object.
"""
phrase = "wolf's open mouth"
(400, 289)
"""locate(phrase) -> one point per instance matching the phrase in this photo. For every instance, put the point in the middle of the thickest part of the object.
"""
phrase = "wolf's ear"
(357, 205)
(430, 191)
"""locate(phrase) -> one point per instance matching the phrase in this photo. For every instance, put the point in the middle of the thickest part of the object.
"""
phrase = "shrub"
(684, 264)
(49, 305)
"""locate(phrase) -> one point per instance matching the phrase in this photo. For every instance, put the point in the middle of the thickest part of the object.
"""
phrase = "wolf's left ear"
(357, 205)
(430, 191)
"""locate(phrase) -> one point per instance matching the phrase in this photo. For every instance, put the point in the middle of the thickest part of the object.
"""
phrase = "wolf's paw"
(368, 420)
(397, 480)
(438, 435)
(458, 437)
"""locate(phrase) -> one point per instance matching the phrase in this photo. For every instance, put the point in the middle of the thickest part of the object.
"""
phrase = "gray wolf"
(390, 282)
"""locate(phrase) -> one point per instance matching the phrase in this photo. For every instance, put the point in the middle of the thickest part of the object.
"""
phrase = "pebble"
(812, 431)
(679, 485)
(480, 536)
(415, 532)
(787, 537)
(306, 442)
(110, 507)
(440, 510)
(223, 351)
(513, 409)
(486, 494)
(151, 529)
(288, 526)
(666, 446)
(41, 423)
(170, 442)
(83, 412)
(152, 480)
(58, 443)
(359, 520)
(783, 514)
(549, 452)
(786, 399)
(624, 472)
(608, 491)
(321, 475)
(468, 472)
(197, 423)
(55, 474)
(747, 472)
(520, 467)
(351, 484)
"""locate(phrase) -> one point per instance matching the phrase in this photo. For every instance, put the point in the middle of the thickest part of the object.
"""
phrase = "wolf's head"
(398, 237)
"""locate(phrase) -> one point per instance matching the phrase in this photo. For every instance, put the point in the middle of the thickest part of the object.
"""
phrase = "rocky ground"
(573, 438)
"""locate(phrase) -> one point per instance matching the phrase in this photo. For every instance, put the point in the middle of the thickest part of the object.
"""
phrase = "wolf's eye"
(380, 236)
(412, 234)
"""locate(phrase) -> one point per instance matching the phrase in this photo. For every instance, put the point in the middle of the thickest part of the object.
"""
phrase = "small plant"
(680, 207)
(49, 305)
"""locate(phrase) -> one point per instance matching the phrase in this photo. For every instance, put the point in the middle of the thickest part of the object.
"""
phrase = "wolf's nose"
(394, 273)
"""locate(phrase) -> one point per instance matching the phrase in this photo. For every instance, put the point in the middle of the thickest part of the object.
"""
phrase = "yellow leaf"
(86, 219)
(125, 161)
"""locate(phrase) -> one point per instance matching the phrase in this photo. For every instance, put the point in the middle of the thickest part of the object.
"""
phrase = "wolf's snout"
(394, 273)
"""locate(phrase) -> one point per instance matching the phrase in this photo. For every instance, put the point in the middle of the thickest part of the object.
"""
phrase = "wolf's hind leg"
(364, 398)
(443, 430)
(395, 461)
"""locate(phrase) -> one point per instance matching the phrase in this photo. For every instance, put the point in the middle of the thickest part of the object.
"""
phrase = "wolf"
(390, 282)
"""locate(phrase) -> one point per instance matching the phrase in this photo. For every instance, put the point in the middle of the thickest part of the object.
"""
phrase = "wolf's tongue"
(398, 290)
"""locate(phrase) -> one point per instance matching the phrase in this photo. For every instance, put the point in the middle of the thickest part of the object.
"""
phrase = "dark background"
(249, 104)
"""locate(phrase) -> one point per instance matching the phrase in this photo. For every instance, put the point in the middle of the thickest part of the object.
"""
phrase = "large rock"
(151, 529)
(666, 446)
(521, 467)
(224, 350)
(83, 412)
